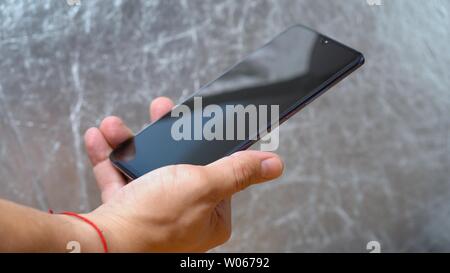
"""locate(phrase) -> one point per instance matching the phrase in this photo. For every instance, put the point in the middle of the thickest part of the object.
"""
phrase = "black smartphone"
(288, 72)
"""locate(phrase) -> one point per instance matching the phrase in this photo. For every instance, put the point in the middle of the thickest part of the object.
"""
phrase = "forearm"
(24, 229)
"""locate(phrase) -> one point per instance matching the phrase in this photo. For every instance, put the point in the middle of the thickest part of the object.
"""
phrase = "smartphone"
(289, 72)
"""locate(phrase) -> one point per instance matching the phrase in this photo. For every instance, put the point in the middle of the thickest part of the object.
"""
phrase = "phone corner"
(361, 59)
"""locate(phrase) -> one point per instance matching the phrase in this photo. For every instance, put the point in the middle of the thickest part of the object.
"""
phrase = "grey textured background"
(370, 160)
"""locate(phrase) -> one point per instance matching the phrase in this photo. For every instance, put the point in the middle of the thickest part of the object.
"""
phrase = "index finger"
(159, 107)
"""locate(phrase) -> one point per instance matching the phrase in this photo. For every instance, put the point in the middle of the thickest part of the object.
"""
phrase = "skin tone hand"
(176, 208)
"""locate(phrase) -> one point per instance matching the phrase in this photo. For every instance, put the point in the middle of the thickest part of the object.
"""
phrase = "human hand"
(176, 208)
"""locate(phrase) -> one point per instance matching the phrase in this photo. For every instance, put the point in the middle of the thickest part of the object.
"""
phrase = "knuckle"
(170, 176)
(181, 170)
(194, 177)
(170, 172)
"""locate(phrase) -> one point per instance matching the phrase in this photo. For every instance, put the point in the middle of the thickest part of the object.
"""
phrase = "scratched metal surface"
(368, 161)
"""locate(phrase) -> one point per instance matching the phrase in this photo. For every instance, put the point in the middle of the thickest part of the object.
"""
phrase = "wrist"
(75, 235)
(113, 230)
(123, 234)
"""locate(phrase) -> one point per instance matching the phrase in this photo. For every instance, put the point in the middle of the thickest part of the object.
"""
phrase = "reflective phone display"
(290, 71)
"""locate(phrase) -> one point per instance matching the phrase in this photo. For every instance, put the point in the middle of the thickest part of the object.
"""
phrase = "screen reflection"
(288, 71)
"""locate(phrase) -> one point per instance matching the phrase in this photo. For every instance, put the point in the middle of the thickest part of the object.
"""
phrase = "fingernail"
(271, 168)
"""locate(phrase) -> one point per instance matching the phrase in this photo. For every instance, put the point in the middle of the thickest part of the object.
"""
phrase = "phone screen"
(288, 72)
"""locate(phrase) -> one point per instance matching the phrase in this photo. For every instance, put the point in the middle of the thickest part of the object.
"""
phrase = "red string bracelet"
(92, 224)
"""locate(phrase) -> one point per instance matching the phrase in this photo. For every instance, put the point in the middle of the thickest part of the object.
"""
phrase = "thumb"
(236, 172)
